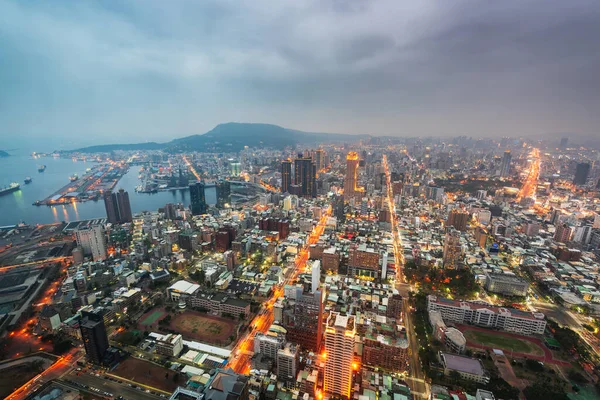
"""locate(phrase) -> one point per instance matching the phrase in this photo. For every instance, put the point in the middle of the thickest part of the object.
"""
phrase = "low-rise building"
(470, 369)
(506, 284)
(169, 345)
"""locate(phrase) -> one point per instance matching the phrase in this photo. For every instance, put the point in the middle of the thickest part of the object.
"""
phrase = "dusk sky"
(113, 72)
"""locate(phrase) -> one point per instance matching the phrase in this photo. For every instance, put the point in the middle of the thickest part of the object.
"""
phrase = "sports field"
(151, 317)
(506, 343)
(203, 327)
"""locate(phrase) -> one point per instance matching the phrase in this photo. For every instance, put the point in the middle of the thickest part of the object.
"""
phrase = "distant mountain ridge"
(232, 137)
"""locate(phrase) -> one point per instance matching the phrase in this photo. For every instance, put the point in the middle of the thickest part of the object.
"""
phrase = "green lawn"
(152, 318)
(503, 342)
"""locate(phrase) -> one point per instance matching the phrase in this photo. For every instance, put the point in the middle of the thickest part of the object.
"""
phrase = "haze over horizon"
(75, 74)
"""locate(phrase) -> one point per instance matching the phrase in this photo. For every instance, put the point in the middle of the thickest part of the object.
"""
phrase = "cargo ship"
(41, 168)
(73, 177)
(13, 187)
(28, 180)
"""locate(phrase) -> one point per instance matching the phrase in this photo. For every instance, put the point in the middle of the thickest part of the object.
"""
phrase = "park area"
(148, 374)
(506, 343)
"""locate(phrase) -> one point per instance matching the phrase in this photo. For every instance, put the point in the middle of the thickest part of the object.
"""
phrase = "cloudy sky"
(128, 71)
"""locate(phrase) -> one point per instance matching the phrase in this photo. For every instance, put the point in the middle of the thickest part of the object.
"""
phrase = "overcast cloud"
(93, 72)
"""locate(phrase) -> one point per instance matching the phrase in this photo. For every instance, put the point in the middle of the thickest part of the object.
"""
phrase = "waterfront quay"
(100, 178)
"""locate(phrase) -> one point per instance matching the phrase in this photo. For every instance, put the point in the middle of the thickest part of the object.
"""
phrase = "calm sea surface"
(17, 206)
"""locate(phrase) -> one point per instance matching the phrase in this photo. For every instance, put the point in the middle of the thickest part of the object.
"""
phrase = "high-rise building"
(340, 334)
(118, 208)
(582, 172)
(316, 276)
(124, 206)
(111, 206)
(287, 363)
(305, 176)
(563, 143)
(452, 249)
(319, 159)
(286, 176)
(303, 319)
(350, 182)
(223, 193)
(92, 241)
(505, 166)
(458, 219)
(197, 198)
(563, 233)
(236, 168)
(93, 334)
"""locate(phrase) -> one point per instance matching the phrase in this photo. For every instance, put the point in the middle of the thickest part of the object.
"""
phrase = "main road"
(242, 352)
(416, 378)
(55, 371)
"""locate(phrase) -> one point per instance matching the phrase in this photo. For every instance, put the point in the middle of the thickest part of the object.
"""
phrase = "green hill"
(232, 137)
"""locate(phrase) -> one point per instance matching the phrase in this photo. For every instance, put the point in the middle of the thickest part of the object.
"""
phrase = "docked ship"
(13, 187)
(73, 177)
(41, 168)
(28, 180)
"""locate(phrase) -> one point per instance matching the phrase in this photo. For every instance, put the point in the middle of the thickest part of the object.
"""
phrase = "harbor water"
(18, 206)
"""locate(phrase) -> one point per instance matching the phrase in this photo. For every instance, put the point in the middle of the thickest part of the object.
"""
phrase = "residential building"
(458, 219)
(453, 252)
(563, 233)
(340, 333)
(287, 362)
(92, 241)
(303, 319)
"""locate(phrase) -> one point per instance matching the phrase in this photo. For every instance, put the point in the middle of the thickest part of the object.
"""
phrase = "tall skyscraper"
(223, 193)
(319, 159)
(118, 208)
(93, 334)
(563, 143)
(112, 207)
(505, 166)
(197, 198)
(93, 242)
(350, 181)
(305, 175)
(286, 176)
(124, 206)
(582, 172)
(339, 352)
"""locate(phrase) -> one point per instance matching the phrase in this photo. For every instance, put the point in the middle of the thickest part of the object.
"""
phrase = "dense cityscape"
(385, 268)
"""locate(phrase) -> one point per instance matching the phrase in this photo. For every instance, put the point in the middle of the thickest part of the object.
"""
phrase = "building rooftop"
(463, 364)
(184, 287)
